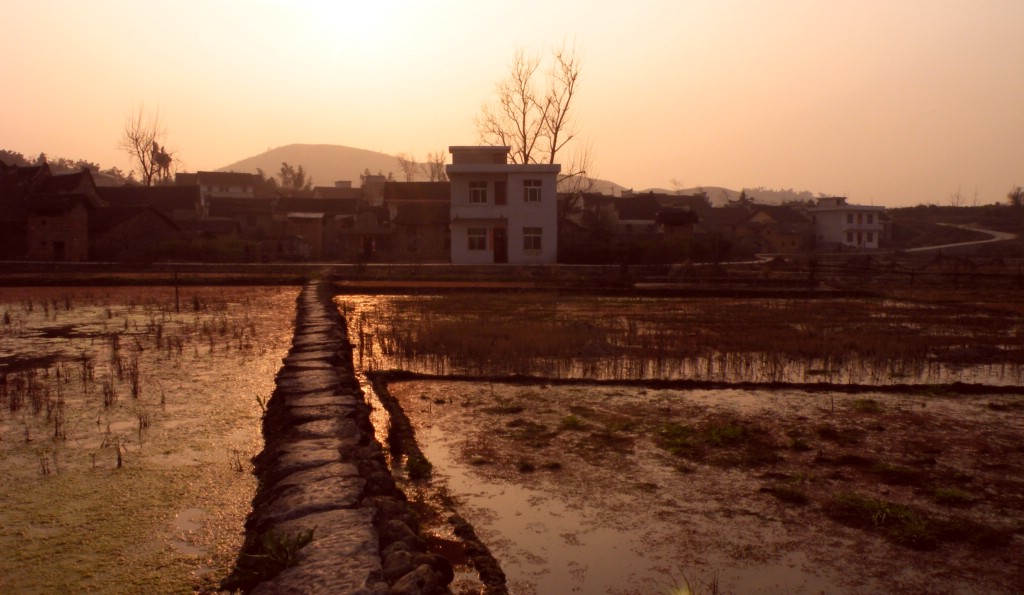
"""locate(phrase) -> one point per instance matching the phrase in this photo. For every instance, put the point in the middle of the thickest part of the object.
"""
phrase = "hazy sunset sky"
(889, 102)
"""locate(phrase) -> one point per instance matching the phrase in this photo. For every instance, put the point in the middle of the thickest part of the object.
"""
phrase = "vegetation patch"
(533, 434)
(897, 522)
(506, 408)
(572, 423)
(790, 494)
(949, 496)
(841, 436)
(896, 474)
(274, 552)
(867, 406)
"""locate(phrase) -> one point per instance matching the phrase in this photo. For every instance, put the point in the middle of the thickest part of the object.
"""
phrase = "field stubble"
(127, 421)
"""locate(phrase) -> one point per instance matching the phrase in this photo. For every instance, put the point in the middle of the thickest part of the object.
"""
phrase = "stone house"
(130, 234)
(57, 228)
(46, 216)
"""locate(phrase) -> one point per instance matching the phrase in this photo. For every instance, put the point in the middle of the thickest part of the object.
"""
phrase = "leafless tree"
(563, 79)
(956, 199)
(142, 139)
(408, 165)
(576, 181)
(434, 166)
(534, 113)
(515, 118)
(1016, 197)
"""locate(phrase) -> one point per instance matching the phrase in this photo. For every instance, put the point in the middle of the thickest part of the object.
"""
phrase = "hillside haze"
(325, 163)
(330, 163)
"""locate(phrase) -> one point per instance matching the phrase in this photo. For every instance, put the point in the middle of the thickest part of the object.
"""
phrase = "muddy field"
(895, 481)
(127, 421)
(604, 489)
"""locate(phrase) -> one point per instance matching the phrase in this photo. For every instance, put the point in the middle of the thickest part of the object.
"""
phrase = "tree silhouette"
(141, 139)
(1015, 197)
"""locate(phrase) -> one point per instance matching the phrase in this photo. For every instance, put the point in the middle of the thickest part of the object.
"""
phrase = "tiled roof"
(67, 183)
(226, 178)
(333, 206)
(423, 213)
(419, 191)
(336, 193)
(159, 197)
(782, 213)
(105, 219)
(637, 208)
(676, 216)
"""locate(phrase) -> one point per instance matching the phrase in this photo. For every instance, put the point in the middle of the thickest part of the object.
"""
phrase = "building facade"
(839, 224)
(501, 212)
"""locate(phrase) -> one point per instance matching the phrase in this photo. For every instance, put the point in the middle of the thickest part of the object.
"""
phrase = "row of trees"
(432, 168)
(60, 165)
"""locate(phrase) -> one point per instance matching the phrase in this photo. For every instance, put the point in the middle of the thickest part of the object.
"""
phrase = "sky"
(887, 102)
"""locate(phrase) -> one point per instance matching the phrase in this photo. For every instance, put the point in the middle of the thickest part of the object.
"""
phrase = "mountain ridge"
(330, 163)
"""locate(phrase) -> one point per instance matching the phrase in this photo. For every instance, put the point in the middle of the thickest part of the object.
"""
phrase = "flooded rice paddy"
(840, 341)
(127, 422)
(605, 488)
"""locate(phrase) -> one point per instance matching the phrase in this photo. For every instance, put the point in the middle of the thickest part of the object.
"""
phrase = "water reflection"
(663, 339)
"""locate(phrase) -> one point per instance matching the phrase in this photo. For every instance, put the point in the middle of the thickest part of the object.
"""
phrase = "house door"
(500, 245)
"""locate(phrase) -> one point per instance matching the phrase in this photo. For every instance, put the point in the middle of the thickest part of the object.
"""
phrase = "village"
(489, 210)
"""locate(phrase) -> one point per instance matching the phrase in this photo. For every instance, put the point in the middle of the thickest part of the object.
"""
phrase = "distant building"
(420, 213)
(501, 212)
(219, 185)
(839, 224)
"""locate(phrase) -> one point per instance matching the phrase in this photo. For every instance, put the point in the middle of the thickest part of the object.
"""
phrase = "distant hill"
(325, 163)
(330, 163)
(765, 196)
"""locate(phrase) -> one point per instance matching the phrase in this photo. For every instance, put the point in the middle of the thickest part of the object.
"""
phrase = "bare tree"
(956, 199)
(563, 78)
(516, 117)
(407, 163)
(433, 168)
(142, 139)
(533, 113)
(1015, 197)
(576, 182)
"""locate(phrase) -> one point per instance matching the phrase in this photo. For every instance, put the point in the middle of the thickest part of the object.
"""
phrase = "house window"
(477, 238)
(531, 190)
(849, 237)
(531, 238)
(477, 192)
(871, 218)
(849, 218)
(499, 193)
(871, 237)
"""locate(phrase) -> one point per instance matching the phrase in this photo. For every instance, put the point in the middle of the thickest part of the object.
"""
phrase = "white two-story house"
(841, 224)
(502, 212)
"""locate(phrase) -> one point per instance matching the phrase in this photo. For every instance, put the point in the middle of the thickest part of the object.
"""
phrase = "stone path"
(323, 470)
